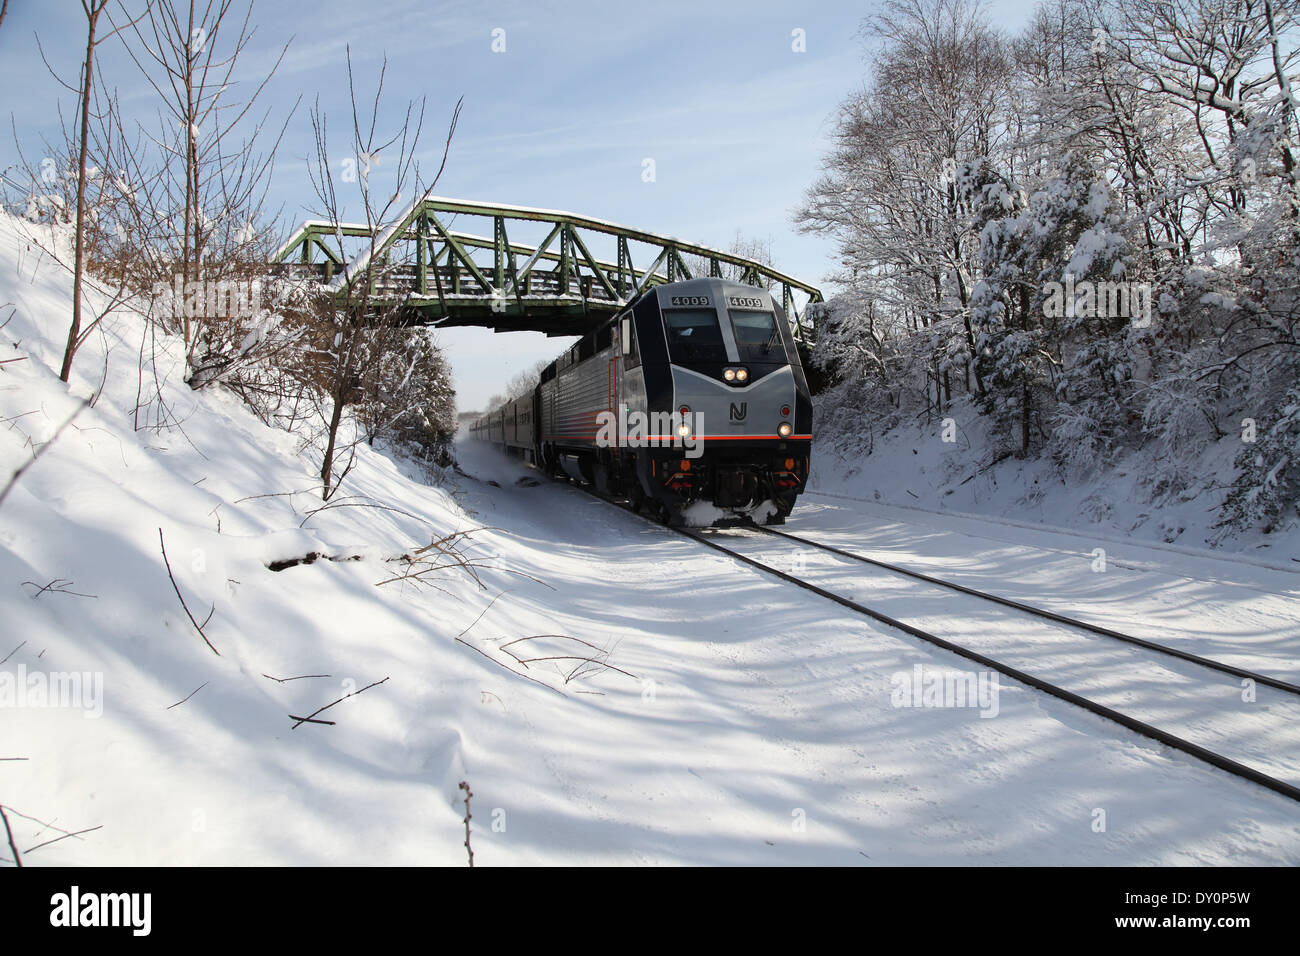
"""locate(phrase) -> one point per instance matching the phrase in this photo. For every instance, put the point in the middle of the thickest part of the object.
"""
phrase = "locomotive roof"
(709, 286)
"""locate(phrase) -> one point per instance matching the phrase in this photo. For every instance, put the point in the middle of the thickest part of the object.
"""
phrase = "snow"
(912, 467)
(702, 711)
(1236, 625)
(313, 223)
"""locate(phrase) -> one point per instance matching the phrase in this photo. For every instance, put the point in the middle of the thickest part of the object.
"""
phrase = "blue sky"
(735, 120)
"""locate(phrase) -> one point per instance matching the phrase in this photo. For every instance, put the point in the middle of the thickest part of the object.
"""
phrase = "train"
(690, 401)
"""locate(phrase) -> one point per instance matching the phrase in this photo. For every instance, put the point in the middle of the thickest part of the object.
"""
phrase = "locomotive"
(693, 394)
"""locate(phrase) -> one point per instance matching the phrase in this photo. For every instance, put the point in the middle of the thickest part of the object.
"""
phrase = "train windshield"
(757, 337)
(694, 336)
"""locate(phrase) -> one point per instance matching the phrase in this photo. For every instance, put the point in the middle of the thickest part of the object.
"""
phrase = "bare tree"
(522, 383)
(206, 175)
(70, 187)
(1222, 65)
(745, 247)
(939, 99)
(93, 10)
(358, 311)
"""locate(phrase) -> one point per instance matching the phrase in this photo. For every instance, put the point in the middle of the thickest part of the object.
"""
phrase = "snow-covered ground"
(692, 710)
(1258, 632)
(946, 466)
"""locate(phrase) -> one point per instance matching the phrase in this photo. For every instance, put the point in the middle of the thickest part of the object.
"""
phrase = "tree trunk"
(79, 260)
(1024, 418)
(327, 466)
(189, 249)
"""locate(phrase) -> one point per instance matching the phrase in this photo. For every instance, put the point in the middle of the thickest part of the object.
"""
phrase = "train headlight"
(684, 429)
(742, 375)
(784, 429)
(729, 374)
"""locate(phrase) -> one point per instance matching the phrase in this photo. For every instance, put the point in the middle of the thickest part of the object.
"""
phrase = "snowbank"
(946, 465)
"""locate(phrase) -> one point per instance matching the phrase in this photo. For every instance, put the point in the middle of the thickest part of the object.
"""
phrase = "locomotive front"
(718, 359)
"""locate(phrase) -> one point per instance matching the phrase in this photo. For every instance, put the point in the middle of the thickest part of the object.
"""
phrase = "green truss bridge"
(449, 262)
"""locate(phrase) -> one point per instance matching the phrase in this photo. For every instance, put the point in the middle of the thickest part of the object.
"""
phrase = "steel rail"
(1049, 615)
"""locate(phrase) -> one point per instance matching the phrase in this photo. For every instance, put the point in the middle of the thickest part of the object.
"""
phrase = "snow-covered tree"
(1053, 279)
(1266, 491)
(407, 394)
(1092, 228)
(889, 194)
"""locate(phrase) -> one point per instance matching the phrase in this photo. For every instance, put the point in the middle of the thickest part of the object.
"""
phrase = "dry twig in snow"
(197, 626)
(308, 719)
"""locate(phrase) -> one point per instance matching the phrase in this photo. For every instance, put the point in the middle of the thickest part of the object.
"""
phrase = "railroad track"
(1045, 614)
(1135, 724)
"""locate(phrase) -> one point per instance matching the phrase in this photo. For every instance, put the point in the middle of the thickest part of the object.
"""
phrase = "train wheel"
(672, 514)
(784, 506)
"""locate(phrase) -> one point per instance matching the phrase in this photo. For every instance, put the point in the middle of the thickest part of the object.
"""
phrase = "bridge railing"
(457, 282)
